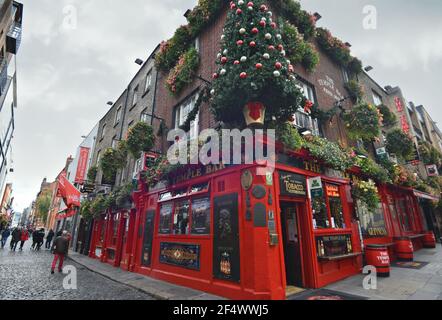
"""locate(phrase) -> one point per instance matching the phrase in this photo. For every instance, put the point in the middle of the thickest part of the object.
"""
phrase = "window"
(165, 218)
(308, 90)
(181, 114)
(118, 115)
(103, 131)
(201, 216)
(345, 74)
(114, 142)
(181, 218)
(328, 209)
(197, 44)
(135, 100)
(98, 157)
(377, 99)
(303, 120)
(145, 117)
(148, 81)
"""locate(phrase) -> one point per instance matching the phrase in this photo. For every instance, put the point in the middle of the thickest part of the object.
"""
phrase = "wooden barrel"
(430, 240)
(378, 257)
(404, 249)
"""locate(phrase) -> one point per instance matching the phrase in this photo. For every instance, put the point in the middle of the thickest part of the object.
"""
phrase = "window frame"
(179, 120)
(118, 115)
(148, 81)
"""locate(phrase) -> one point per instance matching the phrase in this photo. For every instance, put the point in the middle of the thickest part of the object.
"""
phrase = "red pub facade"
(228, 231)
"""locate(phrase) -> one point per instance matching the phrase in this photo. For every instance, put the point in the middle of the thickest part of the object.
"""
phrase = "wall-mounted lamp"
(139, 62)
(368, 68)
(110, 103)
(317, 16)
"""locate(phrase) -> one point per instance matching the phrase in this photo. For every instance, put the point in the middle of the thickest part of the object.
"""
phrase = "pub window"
(202, 187)
(165, 196)
(165, 218)
(201, 216)
(180, 193)
(336, 209)
(181, 218)
(320, 217)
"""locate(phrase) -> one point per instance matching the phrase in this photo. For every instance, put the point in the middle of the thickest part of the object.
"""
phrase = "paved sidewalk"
(403, 284)
(158, 289)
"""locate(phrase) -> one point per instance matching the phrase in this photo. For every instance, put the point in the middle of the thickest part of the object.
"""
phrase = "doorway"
(290, 213)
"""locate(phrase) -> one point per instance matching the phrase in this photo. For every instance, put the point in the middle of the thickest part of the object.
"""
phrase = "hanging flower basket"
(254, 113)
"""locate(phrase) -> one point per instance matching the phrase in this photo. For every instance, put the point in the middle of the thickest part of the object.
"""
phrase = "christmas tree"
(253, 67)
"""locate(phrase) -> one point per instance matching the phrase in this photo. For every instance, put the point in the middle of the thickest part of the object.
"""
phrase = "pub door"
(292, 243)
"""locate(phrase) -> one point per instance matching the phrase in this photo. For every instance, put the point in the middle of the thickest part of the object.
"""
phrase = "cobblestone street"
(26, 276)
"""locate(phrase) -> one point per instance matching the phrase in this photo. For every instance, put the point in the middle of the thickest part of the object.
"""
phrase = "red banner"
(82, 165)
(68, 192)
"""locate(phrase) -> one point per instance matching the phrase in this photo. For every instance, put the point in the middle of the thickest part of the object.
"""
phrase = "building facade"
(11, 13)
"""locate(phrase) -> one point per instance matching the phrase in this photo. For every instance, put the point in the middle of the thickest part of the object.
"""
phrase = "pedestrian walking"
(24, 236)
(40, 238)
(49, 238)
(16, 237)
(60, 249)
(5, 235)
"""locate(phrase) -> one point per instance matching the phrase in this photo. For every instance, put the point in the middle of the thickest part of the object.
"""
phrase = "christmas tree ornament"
(219, 55)
(243, 59)
(240, 2)
(236, 62)
(250, 4)
(225, 52)
(215, 76)
(232, 6)
(264, 19)
(268, 36)
(212, 92)
(271, 47)
(278, 65)
(255, 31)
(223, 37)
(277, 74)
(252, 44)
(270, 13)
(283, 53)
(263, 8)
(253, 85)
(242, 31)
(280, 47)
(238, 11)
(262, 23)
(273, 25)
(266, 56)
(250, 8)
(223, 60)
(292, 77)
(223, 72)
(278, 36)
(239, 42)
(259, 66)
(243, 75)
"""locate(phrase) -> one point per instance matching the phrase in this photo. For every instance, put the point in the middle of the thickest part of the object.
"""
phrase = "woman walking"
(23, 238)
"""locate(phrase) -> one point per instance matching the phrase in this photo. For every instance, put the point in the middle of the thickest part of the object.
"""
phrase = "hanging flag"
(82, 165)
(67, 191)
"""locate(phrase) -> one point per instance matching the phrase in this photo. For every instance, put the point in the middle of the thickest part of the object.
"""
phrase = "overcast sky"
(66, 76)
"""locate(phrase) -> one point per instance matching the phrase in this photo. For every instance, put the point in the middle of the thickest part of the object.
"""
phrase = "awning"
(425, 196)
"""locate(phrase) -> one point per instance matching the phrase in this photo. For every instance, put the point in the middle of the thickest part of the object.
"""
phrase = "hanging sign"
(432, 170)
(315, 187)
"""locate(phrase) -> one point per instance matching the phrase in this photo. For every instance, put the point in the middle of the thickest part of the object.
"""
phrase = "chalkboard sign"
(146, 250)
(226, 259)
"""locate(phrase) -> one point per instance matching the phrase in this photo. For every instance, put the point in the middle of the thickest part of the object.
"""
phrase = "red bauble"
(278, 65)
(259, 66)
(252, 44)
(232, 6)
(215, 76)
(263, 8)
(262, 23)
(273, 25)
(236, 62)
(239, 11)
(280, 47)
(240, 42)
(271, 47)
(223, 60)
(255, 30)
(250, 4)
(243, 75)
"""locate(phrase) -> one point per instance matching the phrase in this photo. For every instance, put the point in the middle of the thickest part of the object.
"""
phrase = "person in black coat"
(49, 238)
(16, 238)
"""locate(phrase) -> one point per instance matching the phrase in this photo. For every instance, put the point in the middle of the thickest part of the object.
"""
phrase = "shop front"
(234, 233)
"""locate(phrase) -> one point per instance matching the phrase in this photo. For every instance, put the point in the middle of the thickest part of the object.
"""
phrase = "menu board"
(292, 184)
(226, 259)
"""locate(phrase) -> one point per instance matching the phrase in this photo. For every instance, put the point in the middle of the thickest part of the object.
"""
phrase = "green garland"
(298, 50)
(400, 144)
(354, 90)
(389, 119)
(291, 10)
(140, 138)
(373, 170)
(203, 96)
(289, 136)
(184, 72)
(338, 51)
(363, 122)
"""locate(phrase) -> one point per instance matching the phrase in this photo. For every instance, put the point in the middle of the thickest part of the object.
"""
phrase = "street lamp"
(139, 61)
(110, 103)
(368, 68)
